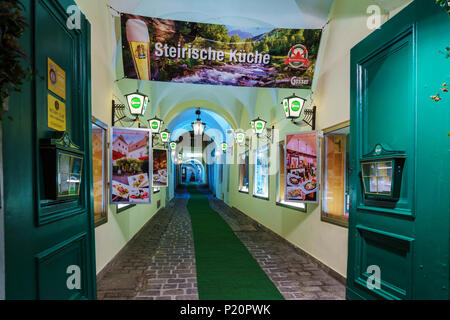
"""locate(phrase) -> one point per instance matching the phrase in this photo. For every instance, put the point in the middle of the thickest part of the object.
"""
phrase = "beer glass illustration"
(139, 40)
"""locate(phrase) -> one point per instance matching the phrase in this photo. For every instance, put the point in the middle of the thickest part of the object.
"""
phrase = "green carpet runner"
(225, 268)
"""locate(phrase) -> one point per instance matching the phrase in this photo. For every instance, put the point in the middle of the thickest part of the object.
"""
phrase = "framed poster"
(261, 173)
(243, 172)
(301, 177)
(131, 170)
(99, 171)
(160, 174)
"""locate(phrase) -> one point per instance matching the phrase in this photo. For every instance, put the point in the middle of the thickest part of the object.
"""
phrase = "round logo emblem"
(164, 136)
(378, 149)
(295, 106)
(259, 125)
(298, 57)
(154, 125)
(136, 103)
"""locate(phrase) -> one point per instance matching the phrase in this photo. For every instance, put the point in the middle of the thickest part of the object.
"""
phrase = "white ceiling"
(301, 14)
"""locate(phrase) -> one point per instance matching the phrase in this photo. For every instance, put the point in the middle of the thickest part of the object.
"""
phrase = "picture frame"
(99, 170)
(130, 157)
(306, 189)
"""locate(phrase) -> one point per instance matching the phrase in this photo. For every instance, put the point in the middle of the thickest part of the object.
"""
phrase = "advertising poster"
(301, 167)
(190, 52)
(160, 172)
(131, 166)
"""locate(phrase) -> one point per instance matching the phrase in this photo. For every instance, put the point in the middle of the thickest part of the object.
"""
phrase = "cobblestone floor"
(160, 262)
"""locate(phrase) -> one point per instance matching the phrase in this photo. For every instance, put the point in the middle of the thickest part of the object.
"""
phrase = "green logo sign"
(154, 125)
(164, 136)
(378, 149)
(136, 103)
(259, 125)
(295, 106)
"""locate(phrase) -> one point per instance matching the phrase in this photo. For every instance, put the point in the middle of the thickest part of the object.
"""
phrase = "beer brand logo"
(136, 103)
(298, 57)
(259, 125)
(297, 81)
(378, 149)
(164, 136)
(154, 125)
(295, 106)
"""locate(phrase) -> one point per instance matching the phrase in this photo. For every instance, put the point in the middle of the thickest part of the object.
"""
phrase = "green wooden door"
(46, 241)
(394, 71)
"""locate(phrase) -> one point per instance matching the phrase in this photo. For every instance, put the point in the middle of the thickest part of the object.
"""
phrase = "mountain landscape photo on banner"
(190, 52)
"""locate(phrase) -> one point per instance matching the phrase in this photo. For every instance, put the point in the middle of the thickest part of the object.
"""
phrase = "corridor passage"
(160, 262)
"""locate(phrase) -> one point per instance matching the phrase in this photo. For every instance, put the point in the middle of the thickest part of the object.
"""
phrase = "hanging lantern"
(258, 125)
(293, 106)
(136, 102)
(165, 136)
(198, 126)
(239, 137)
(173, 145)
(155, 125)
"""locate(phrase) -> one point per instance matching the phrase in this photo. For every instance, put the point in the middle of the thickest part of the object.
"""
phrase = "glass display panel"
(377, 177)
(281, 185)
(243, 172)
(261, 174)
(69, 174)
(99, 171)
(335, 196)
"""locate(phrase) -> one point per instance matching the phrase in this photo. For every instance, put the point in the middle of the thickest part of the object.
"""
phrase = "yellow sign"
(56, 114)
(56, 79)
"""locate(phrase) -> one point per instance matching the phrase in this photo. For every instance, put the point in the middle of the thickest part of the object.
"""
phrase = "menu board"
(301, 167)
(130, 168)
(160, 175)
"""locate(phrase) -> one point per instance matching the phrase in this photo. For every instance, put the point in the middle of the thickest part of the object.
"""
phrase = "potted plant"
(12, 73)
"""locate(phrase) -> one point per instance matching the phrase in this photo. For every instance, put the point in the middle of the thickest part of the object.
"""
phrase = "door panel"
(44, 237)
(390, 104)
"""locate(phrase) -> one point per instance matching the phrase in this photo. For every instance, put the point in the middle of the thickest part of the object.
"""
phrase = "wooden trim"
(336, 221)
(338, 126)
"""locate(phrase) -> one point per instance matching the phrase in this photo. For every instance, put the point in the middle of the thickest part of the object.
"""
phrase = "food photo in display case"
(131, 171)
(160, 175)
(301, 167)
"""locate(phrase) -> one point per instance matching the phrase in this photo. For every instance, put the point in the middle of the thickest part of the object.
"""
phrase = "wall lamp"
(293, 107)
(137, 105)
(258, 125)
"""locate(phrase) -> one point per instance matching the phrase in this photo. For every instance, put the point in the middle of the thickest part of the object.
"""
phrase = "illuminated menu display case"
(62, 164)
(381, 173)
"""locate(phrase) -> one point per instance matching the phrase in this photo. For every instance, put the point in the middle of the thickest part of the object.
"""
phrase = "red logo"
(298, 57)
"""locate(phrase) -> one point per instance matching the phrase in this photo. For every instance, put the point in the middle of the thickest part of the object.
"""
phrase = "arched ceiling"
(182, 123)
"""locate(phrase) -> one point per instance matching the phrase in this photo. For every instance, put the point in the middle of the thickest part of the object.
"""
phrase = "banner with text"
(189, 52)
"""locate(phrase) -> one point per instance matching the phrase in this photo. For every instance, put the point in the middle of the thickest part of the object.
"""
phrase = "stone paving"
(293, 273)
(159, 263)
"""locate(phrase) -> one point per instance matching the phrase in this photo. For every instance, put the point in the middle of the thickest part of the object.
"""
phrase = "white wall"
(121, 227)
(324, 241)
